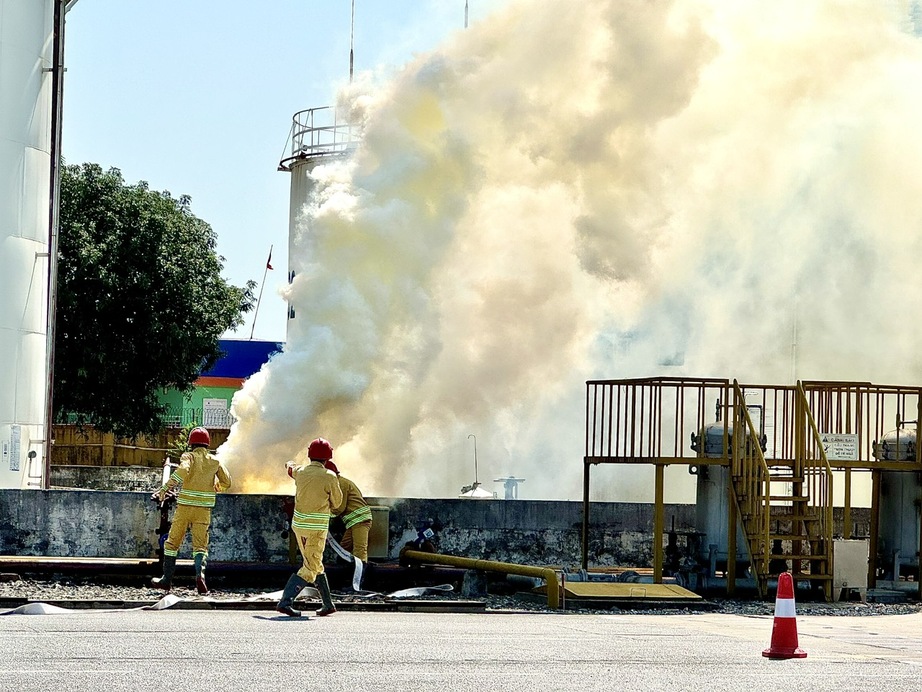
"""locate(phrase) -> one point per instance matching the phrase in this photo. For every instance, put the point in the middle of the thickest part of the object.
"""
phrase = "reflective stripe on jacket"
(313, 521)
(354, 509)
(200, 473)
(357, 517)
(316, 494)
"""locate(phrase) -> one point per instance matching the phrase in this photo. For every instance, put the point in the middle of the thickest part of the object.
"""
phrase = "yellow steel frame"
(648, 420)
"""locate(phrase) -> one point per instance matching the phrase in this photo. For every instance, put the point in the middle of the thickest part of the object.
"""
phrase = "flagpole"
(261, 286)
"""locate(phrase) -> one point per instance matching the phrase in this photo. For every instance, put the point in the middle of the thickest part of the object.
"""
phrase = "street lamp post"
(475, 458)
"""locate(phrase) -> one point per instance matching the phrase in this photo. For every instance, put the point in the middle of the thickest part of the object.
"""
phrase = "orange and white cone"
(784, 631)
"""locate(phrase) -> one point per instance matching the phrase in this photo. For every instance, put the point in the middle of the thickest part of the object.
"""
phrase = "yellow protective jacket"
(354, 509)
(316, 494)
(201, 476)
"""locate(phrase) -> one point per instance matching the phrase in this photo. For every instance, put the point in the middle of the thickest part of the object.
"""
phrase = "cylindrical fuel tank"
(898, 532)
(25, 188)
(711, 517)
(896, 445)
(709, 441)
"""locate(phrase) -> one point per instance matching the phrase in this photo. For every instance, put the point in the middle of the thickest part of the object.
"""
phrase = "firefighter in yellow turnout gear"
(356, 515)
(317, 493)
(202, 476)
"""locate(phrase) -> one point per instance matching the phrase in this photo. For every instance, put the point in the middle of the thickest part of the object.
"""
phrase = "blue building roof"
(242, 358)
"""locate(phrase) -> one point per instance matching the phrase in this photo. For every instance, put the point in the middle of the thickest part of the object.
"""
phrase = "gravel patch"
(77, 589)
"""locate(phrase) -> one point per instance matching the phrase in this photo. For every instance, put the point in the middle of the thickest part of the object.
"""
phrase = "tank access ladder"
(785, 505)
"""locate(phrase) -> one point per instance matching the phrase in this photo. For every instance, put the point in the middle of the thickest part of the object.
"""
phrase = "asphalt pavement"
(354, 650)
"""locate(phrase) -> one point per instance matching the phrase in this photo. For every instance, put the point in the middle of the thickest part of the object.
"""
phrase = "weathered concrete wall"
(254, 528)
(87, 523)
(532, 531)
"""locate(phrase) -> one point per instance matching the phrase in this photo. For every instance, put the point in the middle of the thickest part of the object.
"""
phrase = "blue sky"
(196, 97)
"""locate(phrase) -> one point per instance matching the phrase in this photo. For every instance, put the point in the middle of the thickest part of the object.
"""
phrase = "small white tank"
(896, 445)
(898, 533)
(712, 513)
(900, 500)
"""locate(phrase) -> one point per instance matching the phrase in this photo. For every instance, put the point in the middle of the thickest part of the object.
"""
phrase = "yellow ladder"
(785, 506)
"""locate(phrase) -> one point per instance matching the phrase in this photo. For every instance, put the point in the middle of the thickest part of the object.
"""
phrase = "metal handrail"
(818, 476)
(648, 418)
(752, 487)
(318, 133)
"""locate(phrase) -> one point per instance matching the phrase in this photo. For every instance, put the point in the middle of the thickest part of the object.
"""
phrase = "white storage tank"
(318, 135)
(26, 43)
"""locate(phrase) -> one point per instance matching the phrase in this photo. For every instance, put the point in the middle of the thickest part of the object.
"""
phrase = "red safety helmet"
(320, 449)
(332, 467)
(199, 436)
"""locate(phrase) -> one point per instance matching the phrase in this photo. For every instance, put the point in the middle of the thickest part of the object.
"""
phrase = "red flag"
(269, 261)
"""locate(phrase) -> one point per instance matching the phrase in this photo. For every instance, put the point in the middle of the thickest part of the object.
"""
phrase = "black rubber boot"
(292, 589)
(323, 586)
(200, 560)
(166, 581)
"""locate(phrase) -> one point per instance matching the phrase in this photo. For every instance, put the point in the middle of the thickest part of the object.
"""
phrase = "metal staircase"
(785, 507)
(776, 475)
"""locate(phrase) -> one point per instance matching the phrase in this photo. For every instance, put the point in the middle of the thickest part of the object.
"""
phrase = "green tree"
(141, 303)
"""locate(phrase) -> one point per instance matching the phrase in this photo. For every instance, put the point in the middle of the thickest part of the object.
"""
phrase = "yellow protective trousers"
(355, 540)
(311, 544)
(184, 518)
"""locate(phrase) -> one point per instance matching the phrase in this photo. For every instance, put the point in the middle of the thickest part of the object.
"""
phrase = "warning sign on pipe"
(840, 446)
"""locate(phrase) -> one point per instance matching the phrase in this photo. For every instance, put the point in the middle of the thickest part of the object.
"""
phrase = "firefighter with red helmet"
(356, 516)
(317, 493)
(201, 476)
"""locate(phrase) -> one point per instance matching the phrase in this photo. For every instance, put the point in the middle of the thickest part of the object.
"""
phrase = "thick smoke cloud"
(603, 189)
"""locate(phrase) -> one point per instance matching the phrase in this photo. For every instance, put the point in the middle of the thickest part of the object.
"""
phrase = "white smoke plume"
(602, 189)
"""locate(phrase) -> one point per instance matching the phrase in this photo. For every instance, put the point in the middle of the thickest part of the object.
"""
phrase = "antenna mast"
(352, 44)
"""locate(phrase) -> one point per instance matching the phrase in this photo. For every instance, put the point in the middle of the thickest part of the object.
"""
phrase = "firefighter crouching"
(202, 476)
(356, 515)
(317, 494)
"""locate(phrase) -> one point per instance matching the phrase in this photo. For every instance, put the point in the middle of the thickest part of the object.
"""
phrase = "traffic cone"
(784, 631)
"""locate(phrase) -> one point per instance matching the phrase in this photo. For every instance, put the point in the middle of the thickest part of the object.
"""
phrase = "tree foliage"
(140, 303)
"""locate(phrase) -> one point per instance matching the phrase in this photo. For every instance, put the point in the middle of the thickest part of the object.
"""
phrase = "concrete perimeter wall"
(254, 528)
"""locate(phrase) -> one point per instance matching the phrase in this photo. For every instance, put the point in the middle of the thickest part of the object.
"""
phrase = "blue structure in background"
(242, 358)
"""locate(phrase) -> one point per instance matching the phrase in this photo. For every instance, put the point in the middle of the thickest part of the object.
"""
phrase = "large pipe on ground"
(546, 573)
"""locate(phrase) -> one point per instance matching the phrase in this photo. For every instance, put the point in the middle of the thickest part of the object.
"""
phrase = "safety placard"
(840, 446)
(15, 446)
(215, 413)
